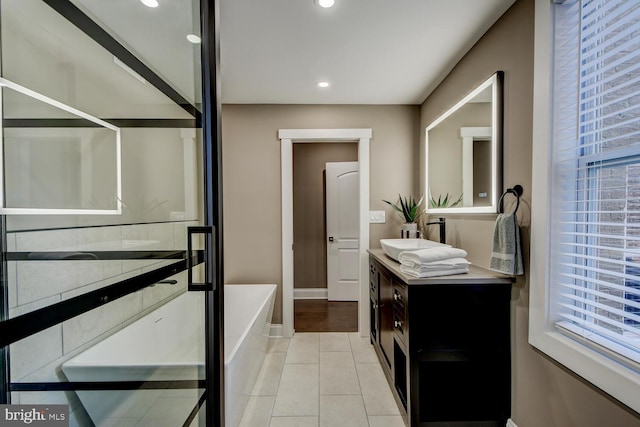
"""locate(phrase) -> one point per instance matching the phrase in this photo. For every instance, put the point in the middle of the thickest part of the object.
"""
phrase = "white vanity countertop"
(476, 275)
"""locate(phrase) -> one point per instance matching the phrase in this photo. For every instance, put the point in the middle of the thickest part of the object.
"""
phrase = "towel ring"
(517, 191)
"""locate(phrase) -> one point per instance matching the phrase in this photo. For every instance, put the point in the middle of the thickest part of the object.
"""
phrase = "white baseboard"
(276, 330)
(310, 293)
(510, 423)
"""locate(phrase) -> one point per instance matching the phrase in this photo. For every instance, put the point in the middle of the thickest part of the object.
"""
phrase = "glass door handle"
(209, 233)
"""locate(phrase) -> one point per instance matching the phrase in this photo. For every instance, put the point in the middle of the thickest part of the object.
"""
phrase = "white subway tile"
(11, 242)
(47, 240)
(35, 351)
(11, 271)
(26, 308)
(83, 328)
(148, 236)
(41, 279)
(180, 234)
(152, 296)
(100, 238)
(12, 280)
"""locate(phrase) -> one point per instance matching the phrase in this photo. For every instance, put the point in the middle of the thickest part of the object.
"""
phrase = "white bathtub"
(167, 344)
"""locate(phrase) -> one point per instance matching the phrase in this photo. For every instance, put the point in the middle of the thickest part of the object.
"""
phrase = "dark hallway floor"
(319, 315)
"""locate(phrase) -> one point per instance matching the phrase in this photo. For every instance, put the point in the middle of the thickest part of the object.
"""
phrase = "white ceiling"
(372, 51)
(275, 51)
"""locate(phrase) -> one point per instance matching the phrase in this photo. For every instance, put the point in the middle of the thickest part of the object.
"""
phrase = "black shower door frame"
(207, 116)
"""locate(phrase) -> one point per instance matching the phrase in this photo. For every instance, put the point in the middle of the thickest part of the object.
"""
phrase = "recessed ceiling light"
(323, 84)
(326, 3)
(193, 38)
(150, 3)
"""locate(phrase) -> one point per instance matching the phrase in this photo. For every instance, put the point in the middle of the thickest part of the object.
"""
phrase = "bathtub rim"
(229, 355)
(77, 362)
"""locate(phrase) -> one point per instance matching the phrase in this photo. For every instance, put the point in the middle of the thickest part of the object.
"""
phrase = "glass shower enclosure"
(109, 211)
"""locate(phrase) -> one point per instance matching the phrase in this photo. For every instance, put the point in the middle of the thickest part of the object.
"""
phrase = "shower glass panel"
(102, 174)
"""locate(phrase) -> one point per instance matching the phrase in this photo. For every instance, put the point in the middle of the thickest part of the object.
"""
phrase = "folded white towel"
(433, 273)
(430, 255)
(438, 265)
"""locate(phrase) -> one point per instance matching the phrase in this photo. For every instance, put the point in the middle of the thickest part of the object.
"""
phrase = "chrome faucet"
(443, 230)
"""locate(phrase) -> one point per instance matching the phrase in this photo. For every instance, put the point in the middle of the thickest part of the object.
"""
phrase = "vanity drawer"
(399, 310)
(399, 295)
(400, 325)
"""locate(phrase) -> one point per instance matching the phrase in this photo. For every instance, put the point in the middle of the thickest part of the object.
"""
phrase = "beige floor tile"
(377, 395)
(258, 411)
(322, 379)
(334, 341)
(298, 391)
(294, 422)
(338, 374)
(269, 376)
(362, 349)
(386, 421)
(339, 411)
(303, 348)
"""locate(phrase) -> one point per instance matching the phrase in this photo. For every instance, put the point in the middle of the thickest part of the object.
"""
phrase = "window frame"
(593, 363)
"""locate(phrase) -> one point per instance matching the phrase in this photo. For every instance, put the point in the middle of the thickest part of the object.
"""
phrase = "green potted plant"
(409, 210)
(443, 202)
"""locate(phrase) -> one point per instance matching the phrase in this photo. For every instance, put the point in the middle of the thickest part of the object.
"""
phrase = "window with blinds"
(595, 202)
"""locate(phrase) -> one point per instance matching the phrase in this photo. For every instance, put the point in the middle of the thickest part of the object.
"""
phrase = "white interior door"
(342, 212)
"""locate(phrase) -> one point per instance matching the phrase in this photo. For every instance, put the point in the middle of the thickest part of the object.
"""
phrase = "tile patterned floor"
(321, 380)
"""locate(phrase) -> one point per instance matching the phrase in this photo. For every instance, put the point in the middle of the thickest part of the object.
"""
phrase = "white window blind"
(595, 194)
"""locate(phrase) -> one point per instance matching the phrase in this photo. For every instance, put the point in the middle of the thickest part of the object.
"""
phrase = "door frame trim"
(288, 137)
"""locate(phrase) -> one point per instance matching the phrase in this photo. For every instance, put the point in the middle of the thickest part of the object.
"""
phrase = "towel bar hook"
(517, 191)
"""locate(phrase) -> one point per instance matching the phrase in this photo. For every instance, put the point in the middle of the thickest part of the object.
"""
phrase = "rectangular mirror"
(463, 147)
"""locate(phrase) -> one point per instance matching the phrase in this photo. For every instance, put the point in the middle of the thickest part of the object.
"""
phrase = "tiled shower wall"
(36, 284)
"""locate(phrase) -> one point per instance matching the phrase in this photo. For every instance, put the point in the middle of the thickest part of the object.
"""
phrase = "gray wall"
(251, 177)
(543, 394)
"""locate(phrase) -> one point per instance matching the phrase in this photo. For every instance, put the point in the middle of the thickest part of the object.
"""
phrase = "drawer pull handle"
(398, 323)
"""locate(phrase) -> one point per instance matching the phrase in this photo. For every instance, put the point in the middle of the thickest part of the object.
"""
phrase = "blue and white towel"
(506, 255)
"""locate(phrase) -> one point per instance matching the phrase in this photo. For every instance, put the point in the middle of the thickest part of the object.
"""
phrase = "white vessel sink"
(393, 247)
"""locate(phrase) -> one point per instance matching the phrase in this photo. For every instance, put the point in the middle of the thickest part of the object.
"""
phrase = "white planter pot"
(410, 230)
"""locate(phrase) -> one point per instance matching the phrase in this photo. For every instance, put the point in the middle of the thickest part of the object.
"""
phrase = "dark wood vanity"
(444, 343)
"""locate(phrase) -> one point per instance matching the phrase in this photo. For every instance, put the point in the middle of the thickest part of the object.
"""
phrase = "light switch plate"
(377, 217)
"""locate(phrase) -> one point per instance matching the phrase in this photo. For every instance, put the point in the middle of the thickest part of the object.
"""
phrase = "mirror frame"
(496, 82)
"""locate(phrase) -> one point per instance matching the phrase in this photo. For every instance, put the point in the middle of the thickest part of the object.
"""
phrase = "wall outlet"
(377, 217)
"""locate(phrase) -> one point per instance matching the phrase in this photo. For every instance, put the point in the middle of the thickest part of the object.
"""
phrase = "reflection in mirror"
(463, 146)
(57, 170)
